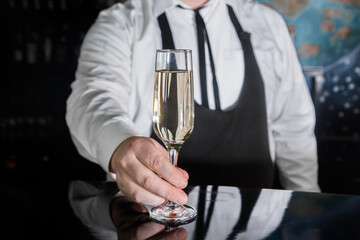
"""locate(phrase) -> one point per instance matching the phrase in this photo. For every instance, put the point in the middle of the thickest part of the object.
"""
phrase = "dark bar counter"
(223, 213)
(97, 210)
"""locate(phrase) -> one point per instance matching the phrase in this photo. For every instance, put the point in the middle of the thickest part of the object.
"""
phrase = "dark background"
(43, 39)
(39, 57)
(38, 159)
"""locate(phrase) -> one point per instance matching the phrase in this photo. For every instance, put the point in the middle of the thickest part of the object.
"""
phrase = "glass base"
(172, 214)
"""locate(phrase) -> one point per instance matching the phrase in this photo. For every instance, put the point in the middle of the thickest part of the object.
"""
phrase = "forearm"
(297, 163)
(97, 109)
(295, 141)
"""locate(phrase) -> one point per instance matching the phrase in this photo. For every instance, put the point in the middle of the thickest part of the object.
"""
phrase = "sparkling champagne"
(173, 116)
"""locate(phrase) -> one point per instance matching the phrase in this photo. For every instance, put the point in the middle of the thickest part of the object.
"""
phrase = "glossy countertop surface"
(223, 213)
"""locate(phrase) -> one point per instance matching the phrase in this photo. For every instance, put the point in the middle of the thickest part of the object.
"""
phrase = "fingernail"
(186, 175)
(181, 200)
(182, 184)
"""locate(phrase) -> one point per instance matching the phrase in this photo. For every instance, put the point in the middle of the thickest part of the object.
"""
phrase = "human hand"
(144, 173)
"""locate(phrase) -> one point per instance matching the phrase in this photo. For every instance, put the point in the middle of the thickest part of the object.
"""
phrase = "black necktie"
(202, 37)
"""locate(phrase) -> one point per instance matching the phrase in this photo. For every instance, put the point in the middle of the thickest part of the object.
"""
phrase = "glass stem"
(173, 156)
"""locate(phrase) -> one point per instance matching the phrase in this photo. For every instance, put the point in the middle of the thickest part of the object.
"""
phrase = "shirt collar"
(161, 5)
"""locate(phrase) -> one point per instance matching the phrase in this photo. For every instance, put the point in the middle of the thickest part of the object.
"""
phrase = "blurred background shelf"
(42, 43)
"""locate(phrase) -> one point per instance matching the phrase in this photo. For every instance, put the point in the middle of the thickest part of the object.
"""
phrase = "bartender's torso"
(228, 56)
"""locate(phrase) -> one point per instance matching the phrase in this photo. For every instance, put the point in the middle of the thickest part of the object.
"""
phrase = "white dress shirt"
(112, 96)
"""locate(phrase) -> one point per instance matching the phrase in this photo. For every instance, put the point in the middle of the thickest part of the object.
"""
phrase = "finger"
(185, 173)
(136, 193)
(150, 181)
(159, 147)
(157, 162)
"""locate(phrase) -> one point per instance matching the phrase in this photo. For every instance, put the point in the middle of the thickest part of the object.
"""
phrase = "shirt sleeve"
(97, 108)
(293, 120)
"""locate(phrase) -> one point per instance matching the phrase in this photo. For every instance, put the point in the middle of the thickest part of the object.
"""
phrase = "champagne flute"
(173, 119)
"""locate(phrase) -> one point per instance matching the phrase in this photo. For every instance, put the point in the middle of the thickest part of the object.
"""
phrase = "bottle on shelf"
(47, 50)
(25, 4)
(18, 49)
(62, 45)
(63, 5)
(32, 48)
(37, 5)
(51, 5)
(12, 4)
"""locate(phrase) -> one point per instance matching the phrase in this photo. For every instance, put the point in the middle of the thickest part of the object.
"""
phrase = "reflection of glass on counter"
(110, 215)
